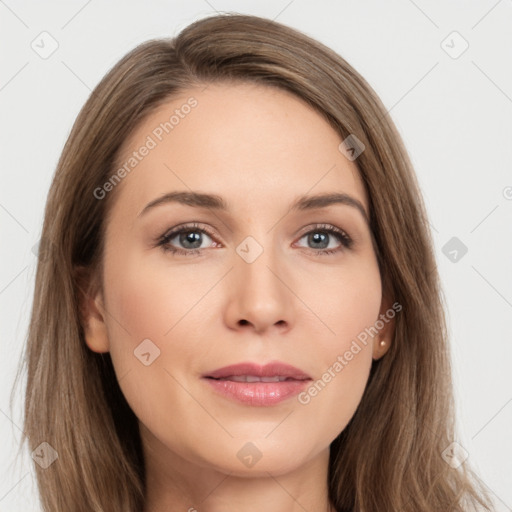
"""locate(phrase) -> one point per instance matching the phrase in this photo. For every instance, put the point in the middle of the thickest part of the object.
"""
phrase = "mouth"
(273, 370)
(255, 378)
(255, 385)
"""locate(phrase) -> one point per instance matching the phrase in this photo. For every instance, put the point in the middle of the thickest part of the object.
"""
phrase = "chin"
(259, 457)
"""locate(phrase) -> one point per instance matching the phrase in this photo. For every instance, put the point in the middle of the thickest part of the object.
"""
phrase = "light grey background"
(453, 111)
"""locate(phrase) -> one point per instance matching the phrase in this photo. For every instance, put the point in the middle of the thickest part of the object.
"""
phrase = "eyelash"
(343, 238)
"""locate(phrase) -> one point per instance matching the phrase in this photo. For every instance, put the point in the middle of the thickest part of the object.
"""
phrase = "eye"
(322, 239)
(190, 238)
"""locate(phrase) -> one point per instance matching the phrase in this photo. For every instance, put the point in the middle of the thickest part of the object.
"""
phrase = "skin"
(259, 148)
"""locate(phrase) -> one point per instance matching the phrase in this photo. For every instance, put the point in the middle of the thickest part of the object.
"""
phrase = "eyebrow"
(215, 202)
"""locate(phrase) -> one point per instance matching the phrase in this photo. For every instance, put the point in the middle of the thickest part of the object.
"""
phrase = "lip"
(258, 393)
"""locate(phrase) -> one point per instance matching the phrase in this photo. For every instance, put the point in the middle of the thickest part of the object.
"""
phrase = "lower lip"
(258, 393)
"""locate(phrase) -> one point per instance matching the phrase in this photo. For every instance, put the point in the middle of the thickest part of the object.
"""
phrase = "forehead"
(239, 140)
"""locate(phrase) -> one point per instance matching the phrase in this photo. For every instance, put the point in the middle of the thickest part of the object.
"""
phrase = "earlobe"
(95, 329)
(381, 346)
(92, 316)
(386, 325)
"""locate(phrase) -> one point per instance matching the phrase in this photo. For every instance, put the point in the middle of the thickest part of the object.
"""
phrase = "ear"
(92, 313)
(386, 327)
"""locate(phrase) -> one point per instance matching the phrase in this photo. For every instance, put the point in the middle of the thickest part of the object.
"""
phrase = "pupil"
(190, 238)
(320, 237)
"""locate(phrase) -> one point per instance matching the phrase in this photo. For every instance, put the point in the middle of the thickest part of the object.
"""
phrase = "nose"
(259, 297)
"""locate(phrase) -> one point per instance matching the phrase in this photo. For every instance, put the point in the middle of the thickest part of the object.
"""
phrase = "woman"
(238, 305)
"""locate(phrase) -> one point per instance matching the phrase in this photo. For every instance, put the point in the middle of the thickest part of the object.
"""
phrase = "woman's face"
(249, 283)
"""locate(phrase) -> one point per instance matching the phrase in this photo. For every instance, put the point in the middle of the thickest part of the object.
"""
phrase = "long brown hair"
(390, 455)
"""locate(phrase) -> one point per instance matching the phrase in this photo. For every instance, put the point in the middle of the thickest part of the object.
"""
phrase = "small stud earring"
(382, 343)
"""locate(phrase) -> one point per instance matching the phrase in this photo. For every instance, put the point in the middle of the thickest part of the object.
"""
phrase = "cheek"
(348, 307)
(150, 335)
(149, 301)
(346, 301)
(157, 301)
(331, 401)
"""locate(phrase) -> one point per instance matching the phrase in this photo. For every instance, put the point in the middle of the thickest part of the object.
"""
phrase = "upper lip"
(272, 369)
